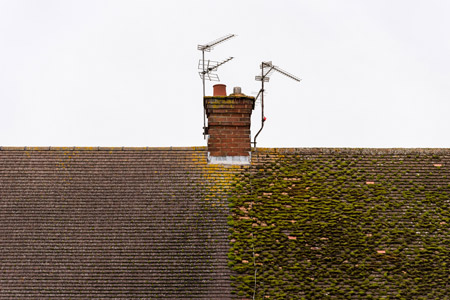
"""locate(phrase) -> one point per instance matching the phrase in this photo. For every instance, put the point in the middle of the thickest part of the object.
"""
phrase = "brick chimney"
(229, 126)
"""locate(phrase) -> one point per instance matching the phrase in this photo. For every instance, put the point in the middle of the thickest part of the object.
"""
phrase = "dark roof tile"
(112, 223)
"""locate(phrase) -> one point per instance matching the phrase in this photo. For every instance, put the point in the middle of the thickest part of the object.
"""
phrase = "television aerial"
(267, 68)
(208, 67)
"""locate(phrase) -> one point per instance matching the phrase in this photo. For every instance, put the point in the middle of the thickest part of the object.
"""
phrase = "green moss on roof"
(341, 225)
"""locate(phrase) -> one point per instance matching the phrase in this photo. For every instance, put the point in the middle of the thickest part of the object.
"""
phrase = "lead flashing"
(229, 160)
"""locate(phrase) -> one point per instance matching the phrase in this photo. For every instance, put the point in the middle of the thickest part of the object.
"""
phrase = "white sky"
(124, 73)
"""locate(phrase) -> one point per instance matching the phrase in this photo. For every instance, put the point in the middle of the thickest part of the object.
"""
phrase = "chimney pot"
(220, 90)
(237, 90)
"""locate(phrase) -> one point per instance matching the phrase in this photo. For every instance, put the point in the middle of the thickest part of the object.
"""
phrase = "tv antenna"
(267, 68)
(208, 67)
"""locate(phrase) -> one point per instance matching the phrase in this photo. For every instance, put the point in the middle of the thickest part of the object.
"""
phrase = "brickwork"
(229, 125)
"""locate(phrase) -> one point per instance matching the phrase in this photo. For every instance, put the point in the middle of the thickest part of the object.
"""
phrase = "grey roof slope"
(112, 223)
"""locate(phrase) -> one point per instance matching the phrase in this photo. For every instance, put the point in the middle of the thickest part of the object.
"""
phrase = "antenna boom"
(219, 64)
(286, 74)
(210, 45)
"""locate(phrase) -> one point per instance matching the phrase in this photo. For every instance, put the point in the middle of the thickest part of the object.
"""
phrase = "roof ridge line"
(299, 150)
(98, 148)
(329, 150)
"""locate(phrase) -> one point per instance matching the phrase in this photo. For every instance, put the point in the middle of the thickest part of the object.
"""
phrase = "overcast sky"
(124, 73)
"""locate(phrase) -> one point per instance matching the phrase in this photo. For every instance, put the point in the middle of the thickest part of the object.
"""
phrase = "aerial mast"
(208, 68)
(266, 69)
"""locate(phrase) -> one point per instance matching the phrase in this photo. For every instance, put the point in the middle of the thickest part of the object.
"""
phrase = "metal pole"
(204, 108)
(262, 104)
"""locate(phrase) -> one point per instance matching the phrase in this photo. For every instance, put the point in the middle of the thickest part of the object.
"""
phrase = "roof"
(146, 223)
(122, 223)
(342, 224)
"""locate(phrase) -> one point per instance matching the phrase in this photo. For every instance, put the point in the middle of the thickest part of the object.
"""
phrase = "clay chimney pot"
(220, 90)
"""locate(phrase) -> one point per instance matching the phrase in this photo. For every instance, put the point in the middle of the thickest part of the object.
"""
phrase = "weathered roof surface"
(342, 224)
(122, 223)
(147, 223)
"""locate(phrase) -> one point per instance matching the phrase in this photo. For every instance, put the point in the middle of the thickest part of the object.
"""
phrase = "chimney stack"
(229, 126)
